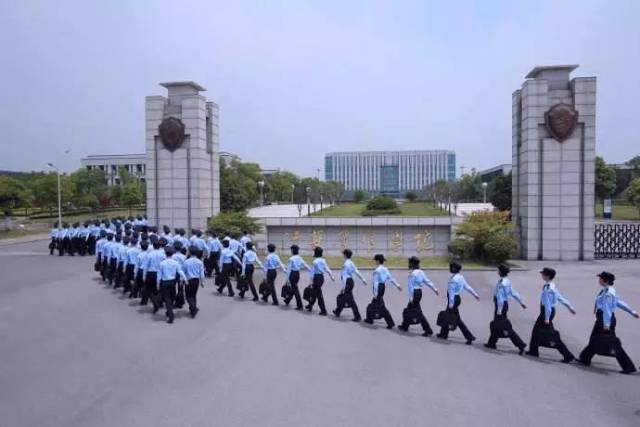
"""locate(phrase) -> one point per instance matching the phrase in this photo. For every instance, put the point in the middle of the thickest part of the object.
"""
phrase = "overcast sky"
(296, 79)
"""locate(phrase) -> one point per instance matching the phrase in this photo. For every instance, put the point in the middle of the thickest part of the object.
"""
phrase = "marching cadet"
(106, 256)
(549, 298)
(236, 247)
(140, 266)
(215, 247)
(319, 267)
(501, 295)
(151, 271)
(417, 278)
(54, 236)
(182, 238)
(606, 303)
(94, 234)
(122, 259)
(63, 239)
(73, 239)
(456, 285)
(381, 275)
(244, 240)
(166, 234)
(114, 253)
(194, 270)
(83, 238)
(129, 274)
(294, 265)
(346, 277)
(102, 240)
(180, 254)
(167, 276)
(199, 243)
(271, 265)
(227, 258)
(248, 259)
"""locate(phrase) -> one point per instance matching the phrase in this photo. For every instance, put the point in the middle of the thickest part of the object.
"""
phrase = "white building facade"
(112, 163)
(390, 172)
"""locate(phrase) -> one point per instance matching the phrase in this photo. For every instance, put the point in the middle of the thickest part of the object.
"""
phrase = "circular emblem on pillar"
(561, 121)
(171, 132)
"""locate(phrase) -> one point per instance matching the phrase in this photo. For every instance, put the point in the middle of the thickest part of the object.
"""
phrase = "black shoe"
(568, 359)
(323, 313)
(403, 328)
(492, 347)
(155, 308)
(442, 337)
(356, 319)
(627, 372)
(274, 303)
(583, 362)
(255, 299)
(309, 308)
(369, 321)
(194, 312)
(470, 341)
(391, 326)
(521, 350)
(170, 320)
(232, 295)
(531, 354)
(427, 334)
(298, 308)
(335, 313)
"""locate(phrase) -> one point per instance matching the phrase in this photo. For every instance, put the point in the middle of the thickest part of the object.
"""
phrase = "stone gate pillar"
(182, 165)
(553, 146)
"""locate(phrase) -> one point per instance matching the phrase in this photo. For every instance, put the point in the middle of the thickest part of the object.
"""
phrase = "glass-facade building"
(390, 172)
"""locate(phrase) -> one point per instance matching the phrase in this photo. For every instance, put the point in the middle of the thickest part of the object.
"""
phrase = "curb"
(26, 239)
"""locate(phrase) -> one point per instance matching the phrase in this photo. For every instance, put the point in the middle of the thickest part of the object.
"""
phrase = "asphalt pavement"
(74, 352)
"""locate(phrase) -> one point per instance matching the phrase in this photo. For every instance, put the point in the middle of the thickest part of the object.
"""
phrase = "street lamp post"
(484, 191)
(59, 195)
(293, 187)
(307, 189)
(261, 185)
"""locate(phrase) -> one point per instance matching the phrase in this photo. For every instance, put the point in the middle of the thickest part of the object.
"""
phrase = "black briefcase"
(411, 315)
(179, 301)
(218, 280)
(447, 319)
(547, 337)
(342, 299)
(96, 266)
(264, 288)
(607, 345)
(242, 285)
(375, 311)
(501, 327)
(286, 292)
(307, 293)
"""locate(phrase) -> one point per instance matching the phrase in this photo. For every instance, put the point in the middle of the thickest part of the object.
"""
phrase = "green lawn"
(407, 209)
(89, 216)
(620, 212)
(20, 232)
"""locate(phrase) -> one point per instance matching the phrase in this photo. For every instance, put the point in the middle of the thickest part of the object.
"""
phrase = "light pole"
(59, 196)
(293, 187)
(306, 190)
(484, 191)
(261, 185)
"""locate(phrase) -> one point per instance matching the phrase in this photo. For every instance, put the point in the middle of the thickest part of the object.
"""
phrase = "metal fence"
(621, 240)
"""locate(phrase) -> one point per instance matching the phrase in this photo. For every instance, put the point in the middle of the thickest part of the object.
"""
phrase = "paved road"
(75, 353)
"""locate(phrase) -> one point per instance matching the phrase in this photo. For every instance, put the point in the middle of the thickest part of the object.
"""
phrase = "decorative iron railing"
(621, 240)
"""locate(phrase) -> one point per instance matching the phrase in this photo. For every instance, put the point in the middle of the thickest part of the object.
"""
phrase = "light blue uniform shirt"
(607, 301)
(503, 291)
(234, 245)
(381, 275)
(122, 253)
(348, 270)
(296, 263)
(180, 257)
(99, 246)
(199, 243)
(549, 297)
(319, 266)
(417, 278)
(227, 256)
(456, 285)
(155, 257)
(53, 233)
(194, 269)
(272, 262)
(244, 240)
(250, 257)
(214, 244)
(169, 269)
(141, 261)
(132, 254)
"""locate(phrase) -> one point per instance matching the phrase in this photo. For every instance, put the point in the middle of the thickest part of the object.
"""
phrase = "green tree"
(132, 194)
(238, 185)
(500, 192)
(633, 193)
(381, 205)
(13, 192)
(333, 191)
(359, 196)
(605, 179)
(484, 236)
(634, 162)
(439, 191)
(45, 190)
(279, 185)
(411, 196)
(234, 222)
(468, 188)
(91, 188)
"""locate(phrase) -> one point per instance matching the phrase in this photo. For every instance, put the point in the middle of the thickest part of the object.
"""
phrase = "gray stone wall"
(423, 237)
(553, 182)
(183, 185)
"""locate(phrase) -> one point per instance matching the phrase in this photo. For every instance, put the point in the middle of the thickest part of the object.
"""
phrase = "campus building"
(490, 174)
(111, 164)
(390, 172)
